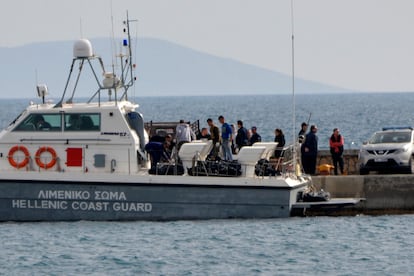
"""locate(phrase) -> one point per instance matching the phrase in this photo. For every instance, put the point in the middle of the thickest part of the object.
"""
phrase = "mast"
(293, 89)
(128, 61)
(83, 53)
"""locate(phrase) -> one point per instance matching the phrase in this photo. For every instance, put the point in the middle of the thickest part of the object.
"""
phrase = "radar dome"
(82, 48)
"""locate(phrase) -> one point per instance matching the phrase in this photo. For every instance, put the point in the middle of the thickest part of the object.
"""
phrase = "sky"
(362, 45)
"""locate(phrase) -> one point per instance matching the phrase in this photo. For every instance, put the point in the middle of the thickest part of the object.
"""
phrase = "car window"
(391, 137)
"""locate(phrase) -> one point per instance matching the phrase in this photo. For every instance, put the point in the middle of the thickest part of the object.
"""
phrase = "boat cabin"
(95, 137)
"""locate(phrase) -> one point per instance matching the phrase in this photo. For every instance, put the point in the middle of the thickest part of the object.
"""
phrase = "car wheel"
(363, 171)
(411, 165)
(410, 168)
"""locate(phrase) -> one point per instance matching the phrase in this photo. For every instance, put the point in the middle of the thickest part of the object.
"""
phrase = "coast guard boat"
(90, 161)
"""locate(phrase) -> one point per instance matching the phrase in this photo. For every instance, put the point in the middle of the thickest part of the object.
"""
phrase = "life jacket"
(336, 149)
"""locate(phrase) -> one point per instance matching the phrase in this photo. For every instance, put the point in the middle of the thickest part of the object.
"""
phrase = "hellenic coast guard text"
(82, 200)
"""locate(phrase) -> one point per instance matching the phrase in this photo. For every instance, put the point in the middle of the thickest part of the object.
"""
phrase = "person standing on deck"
(214, 136)
(241, 137)
(233, 139)
(255, 136)
(203, 135)
(184, 134)
(309, 151)
(226, 137)
(280, 140)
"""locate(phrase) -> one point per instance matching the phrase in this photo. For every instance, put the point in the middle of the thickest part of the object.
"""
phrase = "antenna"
(129, 65)
(36, 76)
(135, 53)
(113, 47)
(80, 27)
(293, 89)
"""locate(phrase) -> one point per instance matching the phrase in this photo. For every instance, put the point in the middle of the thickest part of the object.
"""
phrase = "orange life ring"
(26, 159)
(46, 165)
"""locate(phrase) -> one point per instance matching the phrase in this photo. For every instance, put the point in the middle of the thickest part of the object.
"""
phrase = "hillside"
(163, 69)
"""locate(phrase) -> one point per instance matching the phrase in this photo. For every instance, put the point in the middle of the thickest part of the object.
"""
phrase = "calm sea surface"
(361, 245)
(356, 115)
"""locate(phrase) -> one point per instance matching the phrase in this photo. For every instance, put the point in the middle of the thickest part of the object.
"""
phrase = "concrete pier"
(384, 194)
(350, 157)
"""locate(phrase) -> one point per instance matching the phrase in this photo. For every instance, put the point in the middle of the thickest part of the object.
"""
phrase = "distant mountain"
(163, 69)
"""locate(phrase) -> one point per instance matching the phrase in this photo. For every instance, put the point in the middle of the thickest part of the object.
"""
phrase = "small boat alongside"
(90, 161)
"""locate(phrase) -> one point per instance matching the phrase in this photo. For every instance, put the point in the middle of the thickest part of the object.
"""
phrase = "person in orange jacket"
(336, 144)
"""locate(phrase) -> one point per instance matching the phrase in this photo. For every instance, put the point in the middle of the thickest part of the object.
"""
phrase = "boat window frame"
(81, 121)
(32, 123)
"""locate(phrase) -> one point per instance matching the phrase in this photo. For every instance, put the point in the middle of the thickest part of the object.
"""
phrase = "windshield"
(17, 118)
(391, 137)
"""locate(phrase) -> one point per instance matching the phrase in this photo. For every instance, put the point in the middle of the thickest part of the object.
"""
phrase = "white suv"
(388, 150)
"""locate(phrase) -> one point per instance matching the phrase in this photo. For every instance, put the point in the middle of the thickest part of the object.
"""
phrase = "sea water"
(359, 245)
(357, 115)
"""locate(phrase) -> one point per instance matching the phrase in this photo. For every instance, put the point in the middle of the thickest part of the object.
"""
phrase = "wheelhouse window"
(41, 122)
(82, 122)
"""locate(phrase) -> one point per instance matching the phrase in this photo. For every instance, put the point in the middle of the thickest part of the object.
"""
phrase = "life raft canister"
(24, 162)
(52, 161)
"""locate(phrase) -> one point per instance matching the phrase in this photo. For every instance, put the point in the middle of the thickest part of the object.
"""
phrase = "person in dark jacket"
(156, 152)
(204, 135)
(241, 137)
(280, 139)
(302, 132)
(255, 136)
(309, 151)
(215, 137)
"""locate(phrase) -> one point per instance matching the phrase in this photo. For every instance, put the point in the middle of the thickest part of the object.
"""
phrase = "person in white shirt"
(184, 134)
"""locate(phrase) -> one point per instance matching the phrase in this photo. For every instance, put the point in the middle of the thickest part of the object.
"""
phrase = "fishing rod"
(310, 115)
